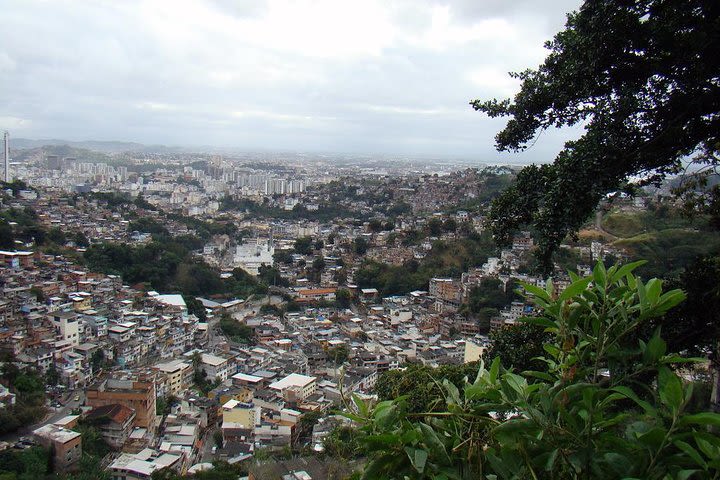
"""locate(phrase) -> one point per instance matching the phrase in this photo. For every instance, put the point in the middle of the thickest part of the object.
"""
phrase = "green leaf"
(574, 289)
(418, 458)
(655, 348)
(710, 450)
(432, 440)
(670, 387)
(685, 474)
(705, 418)
(632, 396)
(551, 460)
(361, 406)
(494, 369)
(540, 321)
(598, 276)
(691, 452)
(625, 270)
(535, 290)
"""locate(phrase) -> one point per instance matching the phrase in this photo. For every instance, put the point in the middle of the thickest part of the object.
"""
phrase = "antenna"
(6, 138)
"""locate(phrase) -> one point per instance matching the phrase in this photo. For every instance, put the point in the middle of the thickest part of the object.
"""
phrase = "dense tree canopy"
(643, 77)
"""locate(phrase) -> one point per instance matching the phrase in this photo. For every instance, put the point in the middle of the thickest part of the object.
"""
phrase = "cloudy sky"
(327, 75)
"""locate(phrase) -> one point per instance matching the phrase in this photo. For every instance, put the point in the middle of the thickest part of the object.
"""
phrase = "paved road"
(54, 414)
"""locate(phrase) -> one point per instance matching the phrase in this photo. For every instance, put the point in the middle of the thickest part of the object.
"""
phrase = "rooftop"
(56, 433)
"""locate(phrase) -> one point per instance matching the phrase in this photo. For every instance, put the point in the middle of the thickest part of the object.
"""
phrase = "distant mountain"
(94, 145)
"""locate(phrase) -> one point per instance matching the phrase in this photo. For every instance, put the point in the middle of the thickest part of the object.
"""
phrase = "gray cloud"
(324, 75)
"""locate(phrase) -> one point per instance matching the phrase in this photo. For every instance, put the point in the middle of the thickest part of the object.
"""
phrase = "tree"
(97, 359)
(435, 227)
(195, 307)
(608, 406)
(52, 377)
(518, 347)
(218, 438)
(375, 225)
(7, 238)
(38, 294)
(449, 225)
(338, 355)
(360, 246)
(642, 78)
(303, 245)
(236, 331)
(340, 276)
(343, 298)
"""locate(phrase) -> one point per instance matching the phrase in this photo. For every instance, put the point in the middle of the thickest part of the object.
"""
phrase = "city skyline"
(361, 78)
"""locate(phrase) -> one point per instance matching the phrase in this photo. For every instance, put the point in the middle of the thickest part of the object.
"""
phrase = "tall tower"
(6, 143)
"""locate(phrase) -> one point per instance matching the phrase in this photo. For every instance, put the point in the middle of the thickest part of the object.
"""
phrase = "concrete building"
(295, 386)
(66, 323)
(114, 422)
(174, 377)
(140, 466)
(254, 254)
(137, 393)
(65, 445)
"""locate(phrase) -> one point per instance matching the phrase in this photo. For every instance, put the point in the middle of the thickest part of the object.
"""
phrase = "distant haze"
(328, 75)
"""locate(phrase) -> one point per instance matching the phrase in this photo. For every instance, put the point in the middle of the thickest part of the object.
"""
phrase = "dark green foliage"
(607, 405)
(200, 380)
(518, 347)
(343, 443)
(92, 441)
(435, 226)
(449, 225)
(16, 185)
(375, 225)
(27, 229)
(147, 225)
(218, 438)
(338, 355)
(421, 385)
(7, 238)
(642, 79)
(166, 265)
(694, 327)
(57, 235)
(303, 245)
(195, 307)
(245, 284)
(271, 276)
(270, 309)
(343, 298)
(445, 259)
(283, 256)
(30, 464)
(236, 331)
(221, 471)
(360, 246)
(490, 293)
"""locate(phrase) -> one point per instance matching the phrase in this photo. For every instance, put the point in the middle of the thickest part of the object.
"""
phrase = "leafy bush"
(608, 405)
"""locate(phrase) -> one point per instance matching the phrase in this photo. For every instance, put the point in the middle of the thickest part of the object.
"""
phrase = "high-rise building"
(6, 158)
(53, 162)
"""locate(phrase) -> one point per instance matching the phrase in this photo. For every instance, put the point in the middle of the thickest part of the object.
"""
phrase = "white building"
(254, 254)
(295, 385)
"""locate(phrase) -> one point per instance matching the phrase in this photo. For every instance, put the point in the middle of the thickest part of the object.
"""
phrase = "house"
(114, 422)
(140, 466)
(65, 445)
(137, 393)
(295, 387)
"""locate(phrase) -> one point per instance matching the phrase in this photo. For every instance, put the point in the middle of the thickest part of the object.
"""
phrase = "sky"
(365, 76)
